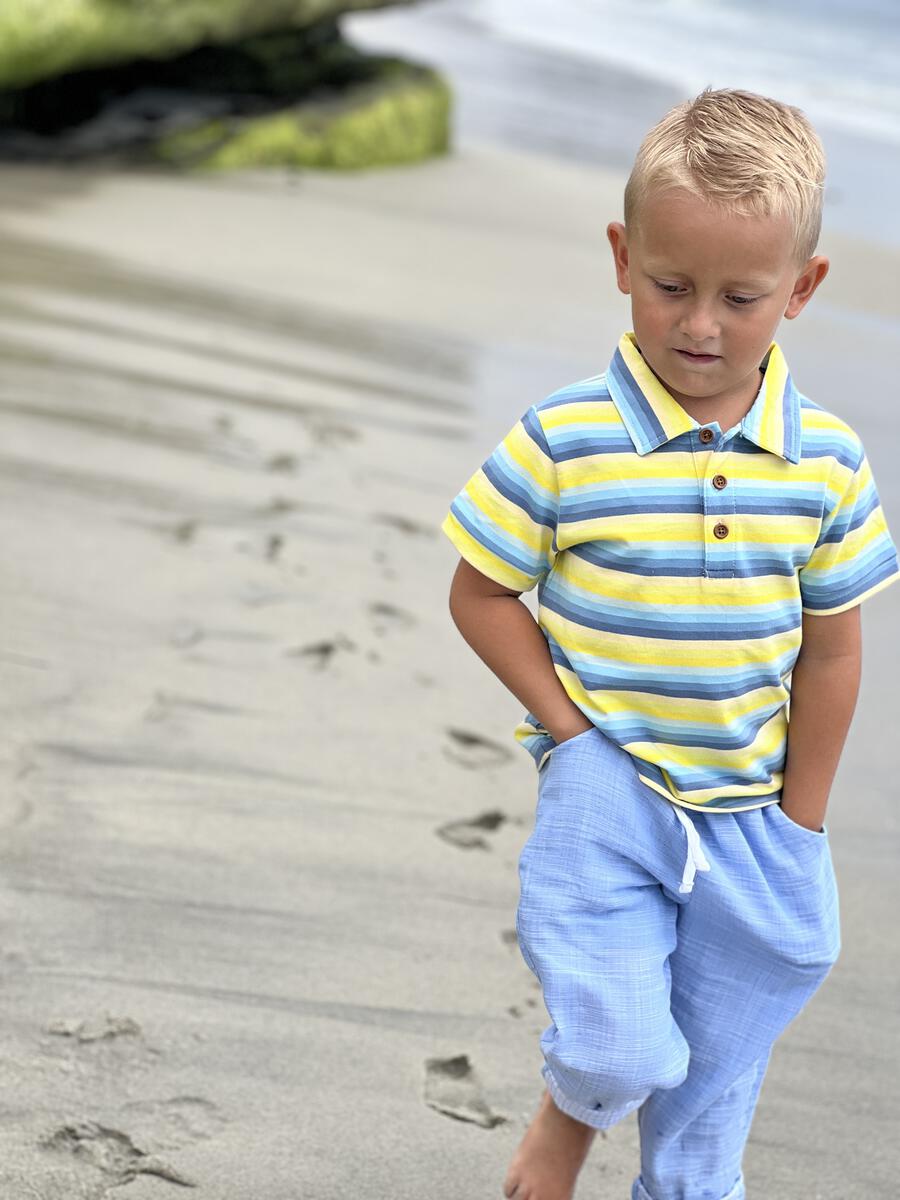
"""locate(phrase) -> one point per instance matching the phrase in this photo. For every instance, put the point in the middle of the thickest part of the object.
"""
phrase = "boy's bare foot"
(549, 1157)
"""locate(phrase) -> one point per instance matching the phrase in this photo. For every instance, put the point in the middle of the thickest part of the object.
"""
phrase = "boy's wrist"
(811, 815)
(572, 728)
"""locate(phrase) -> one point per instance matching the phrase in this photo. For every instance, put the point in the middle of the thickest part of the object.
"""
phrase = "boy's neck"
(728, 413)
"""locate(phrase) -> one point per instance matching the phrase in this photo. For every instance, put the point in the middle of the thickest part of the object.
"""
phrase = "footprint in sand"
(388, 617)
(267, 547)
(466, 834)
(286, 463)
(331, 433)
(387, 571)
(174, 1122)
(405, 525)
(166, 705)
(96, 1030)
(185, 531)
(474, 751)
(518, 1010)
(453, 1088)
(185, 634)
(320, 654)
(111, 1152)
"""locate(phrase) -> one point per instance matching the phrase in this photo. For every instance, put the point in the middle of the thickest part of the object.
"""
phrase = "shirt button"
(706, 435)
(721, 530)
(719, 481)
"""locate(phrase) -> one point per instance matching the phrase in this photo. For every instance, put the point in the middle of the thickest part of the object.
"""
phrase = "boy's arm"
(505, 636)
(824, 689)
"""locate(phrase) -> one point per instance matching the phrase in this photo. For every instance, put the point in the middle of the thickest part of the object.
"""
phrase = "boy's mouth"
(698, 358)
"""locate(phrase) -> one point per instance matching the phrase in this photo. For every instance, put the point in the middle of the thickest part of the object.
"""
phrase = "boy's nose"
(699, 323)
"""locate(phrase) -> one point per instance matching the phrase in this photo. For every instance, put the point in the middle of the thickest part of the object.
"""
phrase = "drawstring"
(696, 859)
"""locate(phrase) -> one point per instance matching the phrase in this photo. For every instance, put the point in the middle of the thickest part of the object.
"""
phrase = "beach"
(261, 804)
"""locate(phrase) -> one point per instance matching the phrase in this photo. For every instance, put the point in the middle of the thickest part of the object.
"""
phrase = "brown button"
(706, 435)
(721, 530)
(719, 481)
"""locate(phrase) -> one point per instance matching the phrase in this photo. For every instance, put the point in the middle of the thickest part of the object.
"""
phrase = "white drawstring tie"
(696, 859)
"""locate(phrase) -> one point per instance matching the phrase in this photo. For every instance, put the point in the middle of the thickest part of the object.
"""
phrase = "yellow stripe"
(689, 710)
(603, 583)
(678, 467)
(673, 418)
(483, 560)
(720, 654)
(769, 740)
(771, 429)
(712, 794)
(506, 515)
(580, 412)
(693, 528)
(834, 554)
(529, 459)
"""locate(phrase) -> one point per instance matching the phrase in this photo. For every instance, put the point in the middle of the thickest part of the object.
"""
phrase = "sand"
(261, 805)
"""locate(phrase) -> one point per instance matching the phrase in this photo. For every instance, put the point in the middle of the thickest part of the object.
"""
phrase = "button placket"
(716, 521)
(705, 436)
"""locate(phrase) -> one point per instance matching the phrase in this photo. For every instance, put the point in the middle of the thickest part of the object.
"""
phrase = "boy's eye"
(677, 289)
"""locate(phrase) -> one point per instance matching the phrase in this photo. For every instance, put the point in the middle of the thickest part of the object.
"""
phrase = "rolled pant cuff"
(639, 1192)
(597, 1118)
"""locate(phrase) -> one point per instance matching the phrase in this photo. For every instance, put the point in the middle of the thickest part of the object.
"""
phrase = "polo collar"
(653, 416)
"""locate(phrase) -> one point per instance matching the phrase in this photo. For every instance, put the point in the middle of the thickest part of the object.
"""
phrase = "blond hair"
(743, 152)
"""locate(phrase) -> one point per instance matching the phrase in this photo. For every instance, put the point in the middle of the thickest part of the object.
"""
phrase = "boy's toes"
(511, 1188)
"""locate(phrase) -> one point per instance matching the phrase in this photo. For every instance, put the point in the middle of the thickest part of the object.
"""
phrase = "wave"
(839, 62)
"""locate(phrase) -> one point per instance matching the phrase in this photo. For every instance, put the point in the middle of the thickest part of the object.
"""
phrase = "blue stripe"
(741, 627)
(504, 548)
(639, 405)
(520, 492)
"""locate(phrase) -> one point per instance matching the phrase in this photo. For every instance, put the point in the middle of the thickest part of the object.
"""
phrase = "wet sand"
(261, 805)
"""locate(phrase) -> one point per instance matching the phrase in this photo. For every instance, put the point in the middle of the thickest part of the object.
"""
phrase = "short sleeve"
(504, 520)
(854, 556)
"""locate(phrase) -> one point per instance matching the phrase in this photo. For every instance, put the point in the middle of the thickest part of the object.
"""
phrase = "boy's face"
(708, 290)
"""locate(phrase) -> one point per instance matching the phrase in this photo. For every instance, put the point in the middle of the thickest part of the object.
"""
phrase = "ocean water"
(839, 60)
(585, 79)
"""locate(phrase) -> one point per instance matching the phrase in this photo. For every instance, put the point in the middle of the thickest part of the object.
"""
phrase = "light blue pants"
(672, 949)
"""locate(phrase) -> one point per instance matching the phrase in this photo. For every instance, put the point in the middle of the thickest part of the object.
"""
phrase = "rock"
(42, 39)
(403, 117)
(304, 98)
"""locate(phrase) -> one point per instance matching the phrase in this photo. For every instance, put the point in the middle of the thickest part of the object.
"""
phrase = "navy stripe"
(519, 496)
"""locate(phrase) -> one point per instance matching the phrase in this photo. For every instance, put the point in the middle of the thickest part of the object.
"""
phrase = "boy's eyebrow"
(749, 283)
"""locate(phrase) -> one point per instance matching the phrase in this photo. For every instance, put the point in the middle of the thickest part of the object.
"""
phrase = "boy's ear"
(805, 284)
(615, 231)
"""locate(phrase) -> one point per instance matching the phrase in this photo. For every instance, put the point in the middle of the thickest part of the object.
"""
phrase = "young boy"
(701, 535)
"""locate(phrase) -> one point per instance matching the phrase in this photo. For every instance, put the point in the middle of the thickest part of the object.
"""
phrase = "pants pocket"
(801, 830)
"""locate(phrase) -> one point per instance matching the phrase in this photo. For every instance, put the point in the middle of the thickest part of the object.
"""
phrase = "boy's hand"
(824, 688)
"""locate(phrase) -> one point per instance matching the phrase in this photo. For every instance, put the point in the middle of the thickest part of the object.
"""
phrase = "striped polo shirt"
(673, 562)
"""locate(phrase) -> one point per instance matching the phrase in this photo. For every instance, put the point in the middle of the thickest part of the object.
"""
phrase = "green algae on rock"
(402, 117)
(41, 39)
